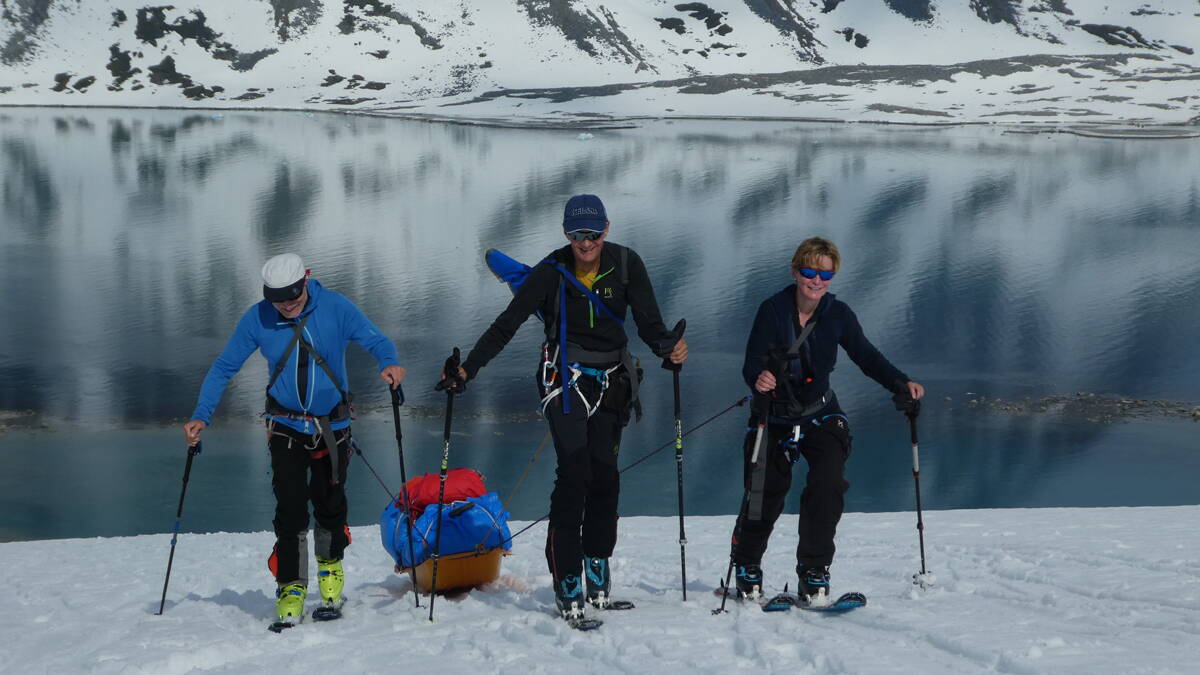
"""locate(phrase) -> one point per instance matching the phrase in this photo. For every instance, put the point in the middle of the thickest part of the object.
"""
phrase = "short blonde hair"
(809, 253)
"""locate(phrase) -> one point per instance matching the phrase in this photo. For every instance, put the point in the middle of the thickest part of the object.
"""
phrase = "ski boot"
(814, 584)
(598, 581)
(568, 597)
(289, 604)
(330, 581)
(749, 582)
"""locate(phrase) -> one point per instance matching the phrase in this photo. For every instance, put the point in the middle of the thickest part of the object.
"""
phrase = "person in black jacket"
(586, 347)
(791, 351)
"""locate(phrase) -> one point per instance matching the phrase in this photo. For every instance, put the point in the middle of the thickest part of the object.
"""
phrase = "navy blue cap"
(584, 212)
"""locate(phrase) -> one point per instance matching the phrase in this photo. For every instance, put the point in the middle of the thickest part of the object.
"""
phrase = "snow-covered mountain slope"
(907, 60)
(1026, 591)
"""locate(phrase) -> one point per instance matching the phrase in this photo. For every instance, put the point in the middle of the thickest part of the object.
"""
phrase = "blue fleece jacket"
(334, 322)
(776, 326)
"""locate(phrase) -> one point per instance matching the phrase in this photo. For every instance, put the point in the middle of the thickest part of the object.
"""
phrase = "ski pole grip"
(193, 450)
(452, 381)
(667, 363)
(760, 404)
(905, 403)
(397, 395)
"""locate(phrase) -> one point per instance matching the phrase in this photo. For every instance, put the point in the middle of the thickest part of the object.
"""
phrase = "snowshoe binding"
(749, 580)
(814, 592)
(569, 598)
(598, 584)
(813, 588)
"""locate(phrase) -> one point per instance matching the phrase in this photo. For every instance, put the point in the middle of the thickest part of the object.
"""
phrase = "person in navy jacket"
(302, 330)
(791, 351)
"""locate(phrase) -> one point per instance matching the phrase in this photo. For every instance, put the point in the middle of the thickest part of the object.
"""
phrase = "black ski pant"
(825, 446)
(302, 472)
(583, 505)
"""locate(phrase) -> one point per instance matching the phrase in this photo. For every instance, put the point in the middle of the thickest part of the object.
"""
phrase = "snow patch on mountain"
(876, 60)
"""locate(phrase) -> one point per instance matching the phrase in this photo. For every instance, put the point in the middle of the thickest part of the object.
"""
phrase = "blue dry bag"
(474, 524)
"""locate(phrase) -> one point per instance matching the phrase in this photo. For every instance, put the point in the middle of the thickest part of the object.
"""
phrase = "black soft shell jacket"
(776, 327)
(587, 326)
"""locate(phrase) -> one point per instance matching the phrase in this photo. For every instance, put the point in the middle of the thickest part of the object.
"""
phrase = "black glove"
(451, 381)
(905, 403)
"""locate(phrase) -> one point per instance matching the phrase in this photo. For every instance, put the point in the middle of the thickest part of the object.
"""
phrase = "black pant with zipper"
(825, 447)
(301, 472)
(583, 505)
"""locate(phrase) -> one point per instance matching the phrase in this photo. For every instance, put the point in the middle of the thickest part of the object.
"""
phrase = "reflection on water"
(979, 261)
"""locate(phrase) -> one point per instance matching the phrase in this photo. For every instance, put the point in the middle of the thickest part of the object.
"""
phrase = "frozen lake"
(984, 263)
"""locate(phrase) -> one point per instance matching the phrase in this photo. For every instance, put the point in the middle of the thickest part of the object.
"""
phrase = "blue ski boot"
(749, 580)
(598, 581)
(568, 597)
(814, 584)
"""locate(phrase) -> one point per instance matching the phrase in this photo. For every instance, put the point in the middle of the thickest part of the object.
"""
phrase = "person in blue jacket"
(791, 351)
(302, 330)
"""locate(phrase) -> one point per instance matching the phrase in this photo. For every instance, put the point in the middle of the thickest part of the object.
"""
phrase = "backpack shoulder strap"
(794, 350)
(298, 329)
(298, 337)
(333, 379)
(587, 292)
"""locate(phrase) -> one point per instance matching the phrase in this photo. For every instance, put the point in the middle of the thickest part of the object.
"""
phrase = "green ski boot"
(330, 579)
(289, 606)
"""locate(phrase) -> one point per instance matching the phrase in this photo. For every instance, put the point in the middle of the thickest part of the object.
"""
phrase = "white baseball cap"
(283, 277)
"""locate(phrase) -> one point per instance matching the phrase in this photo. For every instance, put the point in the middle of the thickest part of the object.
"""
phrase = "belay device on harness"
(341, 411)
(559, 355)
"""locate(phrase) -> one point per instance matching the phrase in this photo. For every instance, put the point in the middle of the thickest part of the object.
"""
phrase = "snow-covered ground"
(1017, 591)
(593, 61)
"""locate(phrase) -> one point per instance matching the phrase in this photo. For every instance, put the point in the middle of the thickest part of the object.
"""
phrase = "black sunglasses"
(585, 235)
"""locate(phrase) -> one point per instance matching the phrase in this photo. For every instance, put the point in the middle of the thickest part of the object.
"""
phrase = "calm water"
(1003, 265)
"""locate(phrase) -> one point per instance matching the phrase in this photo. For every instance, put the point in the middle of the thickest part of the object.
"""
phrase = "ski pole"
(760, 409)
(912, 423)
(911, 407)
(193, 450)
(732, 551)
(452, 384)
(675, 368)
(397, 401)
